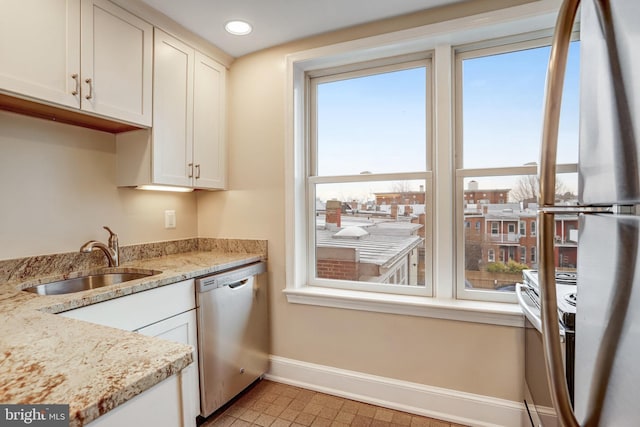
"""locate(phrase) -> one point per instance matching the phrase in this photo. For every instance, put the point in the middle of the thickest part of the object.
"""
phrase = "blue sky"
(374, 124)
(378, 123)
(503, 106)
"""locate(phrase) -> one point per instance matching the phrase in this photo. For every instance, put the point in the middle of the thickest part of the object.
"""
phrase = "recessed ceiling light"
(238, 28)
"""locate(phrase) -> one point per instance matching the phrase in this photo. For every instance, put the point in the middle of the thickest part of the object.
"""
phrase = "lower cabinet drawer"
(138, 310)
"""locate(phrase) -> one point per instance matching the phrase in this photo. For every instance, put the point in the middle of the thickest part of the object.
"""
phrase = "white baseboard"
(444, 404)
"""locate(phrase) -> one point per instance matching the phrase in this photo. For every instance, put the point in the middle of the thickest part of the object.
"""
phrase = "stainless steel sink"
(82, 281)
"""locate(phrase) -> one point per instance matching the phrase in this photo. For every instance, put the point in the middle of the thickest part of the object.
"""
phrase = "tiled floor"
(271, 404)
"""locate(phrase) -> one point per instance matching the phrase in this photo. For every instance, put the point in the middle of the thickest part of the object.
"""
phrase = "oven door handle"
(533, 317)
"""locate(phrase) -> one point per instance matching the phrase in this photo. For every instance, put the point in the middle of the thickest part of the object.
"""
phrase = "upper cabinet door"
(209, 139)
(173, 111)
(117, 62)
(40, 49)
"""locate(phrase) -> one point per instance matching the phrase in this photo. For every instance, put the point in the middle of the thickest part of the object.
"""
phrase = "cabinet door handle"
(88, 81)
(74, 76)
(197, 171)
(190, 166)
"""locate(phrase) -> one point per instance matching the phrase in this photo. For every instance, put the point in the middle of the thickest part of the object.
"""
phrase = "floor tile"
(271, 404)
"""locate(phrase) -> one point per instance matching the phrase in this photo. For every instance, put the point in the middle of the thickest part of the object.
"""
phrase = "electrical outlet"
(169, 219)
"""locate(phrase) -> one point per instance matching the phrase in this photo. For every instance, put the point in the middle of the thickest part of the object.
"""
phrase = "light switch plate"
(169, 219)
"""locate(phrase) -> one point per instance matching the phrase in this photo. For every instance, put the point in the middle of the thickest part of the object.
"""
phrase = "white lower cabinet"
(167, 312)
(182, 329)
(155, 407)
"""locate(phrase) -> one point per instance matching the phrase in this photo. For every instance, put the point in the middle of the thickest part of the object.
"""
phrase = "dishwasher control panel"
(218, 280)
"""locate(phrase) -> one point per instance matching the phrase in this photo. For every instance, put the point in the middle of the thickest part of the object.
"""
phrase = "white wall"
(475, 358)
(57, 190)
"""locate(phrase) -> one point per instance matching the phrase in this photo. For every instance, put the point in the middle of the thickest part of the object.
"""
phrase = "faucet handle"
(113, 237)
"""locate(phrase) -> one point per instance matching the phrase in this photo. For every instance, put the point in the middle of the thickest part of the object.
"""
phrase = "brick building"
(474, 195)
(381, 250)
(503, 232)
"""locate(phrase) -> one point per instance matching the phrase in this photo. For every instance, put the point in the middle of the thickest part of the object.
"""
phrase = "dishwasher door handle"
(238, 284)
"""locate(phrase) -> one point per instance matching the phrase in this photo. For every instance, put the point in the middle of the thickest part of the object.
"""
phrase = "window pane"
(503, 232)
(373, 124)
(371, 232)
(502, 102)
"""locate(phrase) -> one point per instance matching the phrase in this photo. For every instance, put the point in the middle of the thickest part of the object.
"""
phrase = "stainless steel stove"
(537, 400)
(566, 292)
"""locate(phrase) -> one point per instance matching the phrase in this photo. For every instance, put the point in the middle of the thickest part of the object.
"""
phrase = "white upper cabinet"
(209, 148)
(173, 111)
(85, 54)
(187, 145)
(40, 49)
(117, 60)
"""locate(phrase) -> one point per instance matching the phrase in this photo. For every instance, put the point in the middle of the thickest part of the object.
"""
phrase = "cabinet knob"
(88, 81)
(190, 166)
(197, 171)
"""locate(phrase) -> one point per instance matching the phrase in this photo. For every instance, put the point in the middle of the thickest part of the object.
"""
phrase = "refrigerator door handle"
(547, 178)
(575, 210)
(566, 210)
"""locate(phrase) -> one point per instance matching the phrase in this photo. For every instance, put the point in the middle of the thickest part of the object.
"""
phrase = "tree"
(528, 189)
(402, 187)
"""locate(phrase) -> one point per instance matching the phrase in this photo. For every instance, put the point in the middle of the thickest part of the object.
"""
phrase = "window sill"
(492, 313)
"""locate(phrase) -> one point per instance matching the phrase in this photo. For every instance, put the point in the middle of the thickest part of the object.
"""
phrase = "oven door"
(537, 398)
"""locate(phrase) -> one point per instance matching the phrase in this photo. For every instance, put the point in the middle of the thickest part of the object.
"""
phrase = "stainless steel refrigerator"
(607, 326)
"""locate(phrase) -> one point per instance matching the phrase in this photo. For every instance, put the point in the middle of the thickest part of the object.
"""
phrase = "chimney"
(333, 213)
(473, 185)
(394, 211)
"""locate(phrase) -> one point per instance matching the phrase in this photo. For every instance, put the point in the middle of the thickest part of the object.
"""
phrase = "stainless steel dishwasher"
(233, 333)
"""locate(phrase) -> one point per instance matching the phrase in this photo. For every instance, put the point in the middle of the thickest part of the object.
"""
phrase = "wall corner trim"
(436, 402)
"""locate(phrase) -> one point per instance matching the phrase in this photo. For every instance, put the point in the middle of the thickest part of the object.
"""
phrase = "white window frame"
(495, 228)
(441, 38)
(478, 50)
(351, 71)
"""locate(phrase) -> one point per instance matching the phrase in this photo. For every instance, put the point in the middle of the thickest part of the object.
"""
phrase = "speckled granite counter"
(52, 359)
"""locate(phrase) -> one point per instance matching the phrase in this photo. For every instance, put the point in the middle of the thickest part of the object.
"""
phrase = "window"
(533, 228)
(368, 181)
(495, 228)
(533, 255)
(497, 144)
(479, 160)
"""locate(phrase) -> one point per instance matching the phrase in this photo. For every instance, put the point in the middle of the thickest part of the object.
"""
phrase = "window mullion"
(443, 236)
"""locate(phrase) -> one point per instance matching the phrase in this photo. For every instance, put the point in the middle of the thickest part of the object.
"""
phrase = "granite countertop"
(51, 359)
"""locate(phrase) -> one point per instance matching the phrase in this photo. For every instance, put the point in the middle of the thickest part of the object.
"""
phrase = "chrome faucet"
(112, 251)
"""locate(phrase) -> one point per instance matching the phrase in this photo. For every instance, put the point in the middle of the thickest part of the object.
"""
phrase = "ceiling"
(279, 21)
